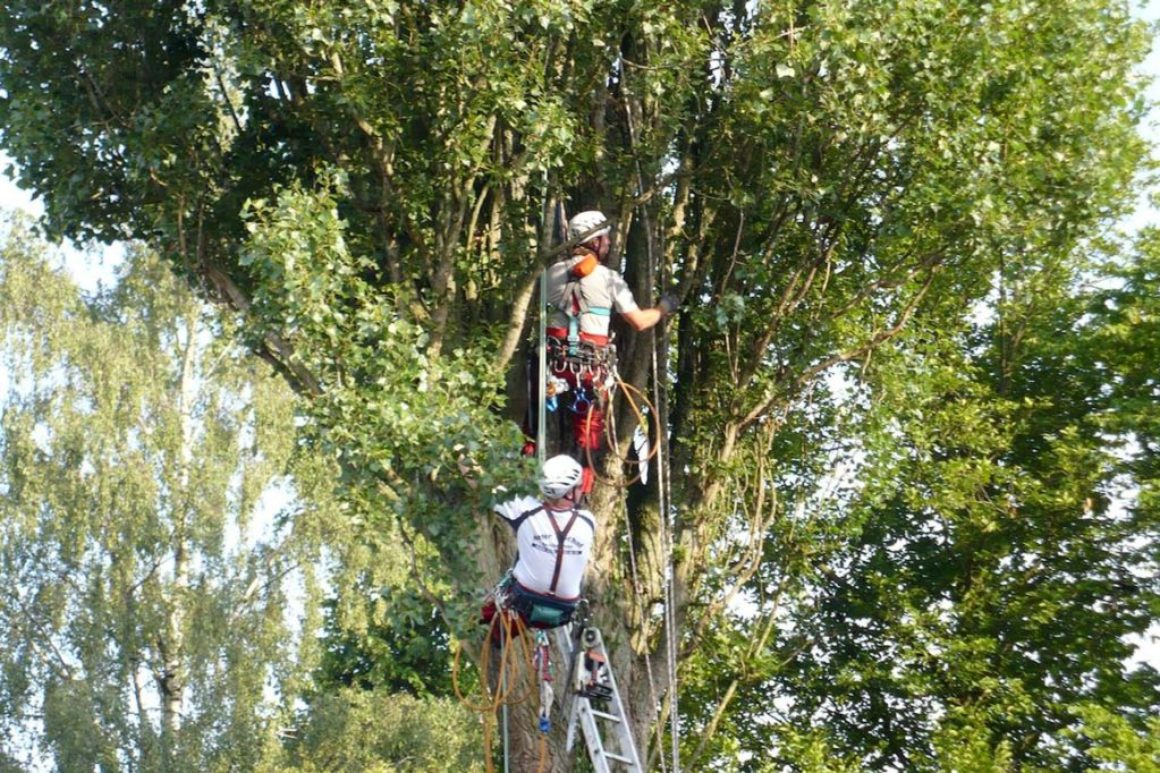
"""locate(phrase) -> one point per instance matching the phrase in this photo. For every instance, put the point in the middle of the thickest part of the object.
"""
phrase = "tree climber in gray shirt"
(582, 294)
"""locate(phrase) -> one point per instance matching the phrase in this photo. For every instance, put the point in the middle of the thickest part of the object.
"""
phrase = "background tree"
(154, 531)
(353, 729)
(366, 185)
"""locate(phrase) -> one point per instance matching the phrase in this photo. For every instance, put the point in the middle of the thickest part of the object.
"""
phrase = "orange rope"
(514, 630)
(654, 439)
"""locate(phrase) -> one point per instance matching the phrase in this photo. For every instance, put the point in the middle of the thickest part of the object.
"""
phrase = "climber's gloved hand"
(668, 304)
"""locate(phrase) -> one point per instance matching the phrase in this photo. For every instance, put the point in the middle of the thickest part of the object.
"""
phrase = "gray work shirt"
(602, 292)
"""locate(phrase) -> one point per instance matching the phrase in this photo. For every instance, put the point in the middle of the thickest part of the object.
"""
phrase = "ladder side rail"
(623, 726)
(596, 751)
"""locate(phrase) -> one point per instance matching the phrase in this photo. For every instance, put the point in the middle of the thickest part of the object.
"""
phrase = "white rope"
(663, 504)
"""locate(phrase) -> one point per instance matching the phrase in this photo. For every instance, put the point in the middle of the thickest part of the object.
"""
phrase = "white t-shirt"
(601, 289)
(538, 545)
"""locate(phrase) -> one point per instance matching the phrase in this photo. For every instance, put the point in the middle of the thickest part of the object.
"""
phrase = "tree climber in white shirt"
(554, 537)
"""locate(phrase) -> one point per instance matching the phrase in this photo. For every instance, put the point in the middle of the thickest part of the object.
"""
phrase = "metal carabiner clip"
(581, 402)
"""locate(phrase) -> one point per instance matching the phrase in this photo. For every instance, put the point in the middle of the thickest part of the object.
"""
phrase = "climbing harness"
(536, 610)
(585, 361)
(574, 303)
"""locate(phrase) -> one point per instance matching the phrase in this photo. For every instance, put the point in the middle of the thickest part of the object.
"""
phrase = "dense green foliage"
(380, 732)
(985, 577)
(899, 422)
(400, 654)
(975, 582)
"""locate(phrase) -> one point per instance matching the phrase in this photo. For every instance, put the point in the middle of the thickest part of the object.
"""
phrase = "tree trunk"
(172, 680)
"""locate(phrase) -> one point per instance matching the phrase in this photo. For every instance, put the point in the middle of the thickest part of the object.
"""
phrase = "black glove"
(668, 304)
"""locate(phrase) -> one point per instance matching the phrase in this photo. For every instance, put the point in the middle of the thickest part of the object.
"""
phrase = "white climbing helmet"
(559, 476)
(585, 222)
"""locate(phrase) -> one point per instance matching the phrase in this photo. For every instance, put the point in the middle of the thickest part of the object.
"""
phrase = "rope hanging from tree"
(660, 377)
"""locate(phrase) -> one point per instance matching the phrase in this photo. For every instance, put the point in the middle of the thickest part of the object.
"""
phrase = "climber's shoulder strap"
(560, 531)
(574, 304)
(525, 515)
(586, 516)
(561, 535)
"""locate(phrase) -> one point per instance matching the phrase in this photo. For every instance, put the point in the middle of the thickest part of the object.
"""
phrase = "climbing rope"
(512, 635)
(659, 378)
(664, 499)
(636, 587)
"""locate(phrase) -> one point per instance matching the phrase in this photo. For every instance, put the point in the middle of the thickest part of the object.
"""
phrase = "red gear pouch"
(588, 428)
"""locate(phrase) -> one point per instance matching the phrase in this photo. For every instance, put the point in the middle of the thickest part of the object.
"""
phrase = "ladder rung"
(618, 758)
(605, 715)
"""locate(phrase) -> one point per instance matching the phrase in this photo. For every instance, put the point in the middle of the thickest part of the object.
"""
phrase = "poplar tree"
(980, 578)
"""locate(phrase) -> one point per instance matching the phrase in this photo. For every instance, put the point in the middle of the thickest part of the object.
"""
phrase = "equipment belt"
(590, 338)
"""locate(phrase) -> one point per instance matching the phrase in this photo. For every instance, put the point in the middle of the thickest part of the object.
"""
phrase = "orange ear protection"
(586, 266)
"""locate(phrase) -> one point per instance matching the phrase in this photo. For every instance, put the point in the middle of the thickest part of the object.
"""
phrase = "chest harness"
(561, 535)
(540, 610)
(574, 303)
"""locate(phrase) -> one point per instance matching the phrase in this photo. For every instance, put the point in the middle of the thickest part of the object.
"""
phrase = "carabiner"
(581, 403)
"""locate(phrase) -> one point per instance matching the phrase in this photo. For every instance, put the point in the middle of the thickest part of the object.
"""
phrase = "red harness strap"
(592, 338)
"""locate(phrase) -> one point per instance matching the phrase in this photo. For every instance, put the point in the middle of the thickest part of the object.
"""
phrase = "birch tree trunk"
(171, 681)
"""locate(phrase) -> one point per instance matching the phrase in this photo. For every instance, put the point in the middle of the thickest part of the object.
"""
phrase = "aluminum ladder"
(607, 733)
